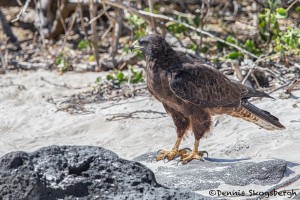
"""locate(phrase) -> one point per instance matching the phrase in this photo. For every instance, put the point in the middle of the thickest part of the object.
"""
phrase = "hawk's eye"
(143, 42)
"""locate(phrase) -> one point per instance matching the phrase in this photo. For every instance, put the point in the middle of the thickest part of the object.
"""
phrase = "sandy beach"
(29, 121)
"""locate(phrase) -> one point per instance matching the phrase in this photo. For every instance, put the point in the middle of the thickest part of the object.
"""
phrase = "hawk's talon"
(178, 162)
(159, 151)
(153, 159)
(169, 155)
(204, 152)
(177, 156)
(185, 158)
(164, 159)
(187, 149)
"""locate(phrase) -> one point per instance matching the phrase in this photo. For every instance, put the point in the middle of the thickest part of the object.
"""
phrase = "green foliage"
(193, 47)
(273, 4)
(204, 49)
(215, 60)
(231, 39)
(292, 38)
(196, 21)
(136, 76)
(268, 26)
(270, 32)
(155, 10)
(289, 40)
(220, 45)
(175, 28)
(62, 63)
(118, 77)
(127, 50)
(297, 9)
(139, 26)
(83, 44)
(281, 13)
(234, 55)
(98, 80)
(250, 46)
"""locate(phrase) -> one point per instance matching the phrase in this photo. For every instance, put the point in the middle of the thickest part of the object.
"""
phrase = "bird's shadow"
(294, 97)
(288, 170)
(221, 160)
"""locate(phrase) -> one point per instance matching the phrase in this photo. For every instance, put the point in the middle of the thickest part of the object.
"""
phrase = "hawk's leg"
(200, 126)
(182, 124)
(170, 155)
(195, 154)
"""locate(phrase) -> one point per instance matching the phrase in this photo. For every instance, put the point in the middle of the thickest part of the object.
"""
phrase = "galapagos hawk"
(192, 92)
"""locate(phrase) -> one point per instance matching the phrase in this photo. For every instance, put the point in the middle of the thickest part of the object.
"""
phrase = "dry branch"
(7, 29)
(22, 12)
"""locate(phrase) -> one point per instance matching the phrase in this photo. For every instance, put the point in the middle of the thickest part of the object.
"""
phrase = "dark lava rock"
(210, 173)
(79, 172)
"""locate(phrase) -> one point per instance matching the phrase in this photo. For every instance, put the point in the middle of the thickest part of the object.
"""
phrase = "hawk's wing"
(205, 86)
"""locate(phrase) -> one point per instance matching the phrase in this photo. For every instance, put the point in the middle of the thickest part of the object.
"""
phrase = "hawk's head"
(152, 46)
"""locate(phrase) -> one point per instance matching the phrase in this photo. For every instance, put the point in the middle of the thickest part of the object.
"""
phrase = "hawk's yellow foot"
(170, 155)
(185, 158)
(195, 154)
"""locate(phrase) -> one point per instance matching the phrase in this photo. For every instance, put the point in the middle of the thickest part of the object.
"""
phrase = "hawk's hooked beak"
(135, 45)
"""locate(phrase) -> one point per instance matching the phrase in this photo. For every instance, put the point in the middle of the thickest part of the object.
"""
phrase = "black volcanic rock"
(79, 172)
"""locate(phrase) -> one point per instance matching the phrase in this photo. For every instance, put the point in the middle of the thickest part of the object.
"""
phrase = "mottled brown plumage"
(191, 92)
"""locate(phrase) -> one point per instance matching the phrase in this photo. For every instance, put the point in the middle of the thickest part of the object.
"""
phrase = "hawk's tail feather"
(260, 117)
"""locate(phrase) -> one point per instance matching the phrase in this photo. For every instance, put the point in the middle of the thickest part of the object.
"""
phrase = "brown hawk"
(191, 92)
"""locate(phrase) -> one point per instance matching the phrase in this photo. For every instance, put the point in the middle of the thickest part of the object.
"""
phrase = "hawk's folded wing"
(205, 87)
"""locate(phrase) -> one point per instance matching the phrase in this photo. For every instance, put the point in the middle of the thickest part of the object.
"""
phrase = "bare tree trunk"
(153, 25)
(93, 12)
(116, 34)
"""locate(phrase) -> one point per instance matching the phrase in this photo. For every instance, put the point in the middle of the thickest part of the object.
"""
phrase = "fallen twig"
(281, 87)
(292, 85)
(248, 74)
(63, 86)
(125, 102)
(120, 116)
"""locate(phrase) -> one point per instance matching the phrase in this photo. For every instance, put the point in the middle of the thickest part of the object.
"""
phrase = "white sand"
(29, 122)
